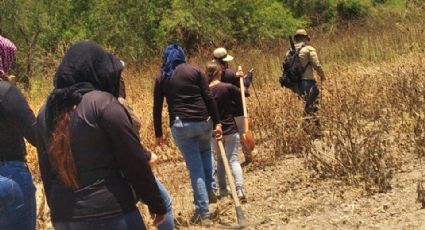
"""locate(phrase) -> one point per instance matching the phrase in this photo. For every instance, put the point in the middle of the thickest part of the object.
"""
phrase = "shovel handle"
(242, 86)
(239, 213)
(246, 124)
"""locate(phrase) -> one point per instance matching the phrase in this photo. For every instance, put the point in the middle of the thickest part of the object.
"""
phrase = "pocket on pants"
(11, 201)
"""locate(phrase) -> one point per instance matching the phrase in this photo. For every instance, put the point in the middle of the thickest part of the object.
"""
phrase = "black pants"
(309, 91)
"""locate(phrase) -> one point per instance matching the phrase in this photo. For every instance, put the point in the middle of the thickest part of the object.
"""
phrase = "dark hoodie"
(16, 117)
(185, 88)
(109, 158)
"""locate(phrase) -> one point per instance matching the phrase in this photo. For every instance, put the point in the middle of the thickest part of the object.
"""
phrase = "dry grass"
(372, 105)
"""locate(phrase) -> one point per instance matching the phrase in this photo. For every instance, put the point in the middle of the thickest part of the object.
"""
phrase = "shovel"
(239, 213)
(248, 136)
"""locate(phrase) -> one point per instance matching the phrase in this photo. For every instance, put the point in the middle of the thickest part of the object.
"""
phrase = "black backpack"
(293, 68)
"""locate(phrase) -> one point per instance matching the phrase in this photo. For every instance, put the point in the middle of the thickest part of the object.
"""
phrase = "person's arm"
(19, 114)
(131, 156)
(135, 121)
(208, 98)
(158, 101)
(235, 92)
(211, 105)
(314, 60)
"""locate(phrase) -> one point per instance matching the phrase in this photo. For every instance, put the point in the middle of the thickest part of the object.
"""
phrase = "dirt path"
(283, 196)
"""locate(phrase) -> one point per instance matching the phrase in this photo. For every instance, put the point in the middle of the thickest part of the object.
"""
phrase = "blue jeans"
(17, 197)
(127, 221)
(309, 91)
(169, 221)
(231, 146)
(193, 140)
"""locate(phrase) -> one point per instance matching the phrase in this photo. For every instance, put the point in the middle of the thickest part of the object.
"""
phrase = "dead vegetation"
(372, 108)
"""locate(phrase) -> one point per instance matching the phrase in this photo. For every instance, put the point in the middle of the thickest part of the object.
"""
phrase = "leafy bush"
(378, 2)
(352, 9)
(316, 11)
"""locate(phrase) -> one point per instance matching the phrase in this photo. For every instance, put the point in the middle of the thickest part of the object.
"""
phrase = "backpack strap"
(298, 52)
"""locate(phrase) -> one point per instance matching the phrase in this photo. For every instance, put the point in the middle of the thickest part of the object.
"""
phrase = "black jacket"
(188, 97)
(112, 169)
(17, 121)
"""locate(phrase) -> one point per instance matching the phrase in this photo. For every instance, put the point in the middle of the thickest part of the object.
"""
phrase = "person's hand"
(239, 73)
(218, 132)
(158, 219)
(159, 141)
(153, 159)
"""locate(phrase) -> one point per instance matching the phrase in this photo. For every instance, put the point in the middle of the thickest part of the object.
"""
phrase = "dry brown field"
(363, 172)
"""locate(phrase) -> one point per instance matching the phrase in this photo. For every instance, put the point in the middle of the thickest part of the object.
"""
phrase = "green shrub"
(379, 2)
(316, 11)
(352, 9)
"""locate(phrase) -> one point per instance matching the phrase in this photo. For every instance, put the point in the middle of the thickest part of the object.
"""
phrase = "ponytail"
(60, 150)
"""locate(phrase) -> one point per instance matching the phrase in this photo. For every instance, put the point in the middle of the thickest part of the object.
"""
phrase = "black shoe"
(212, 197)
(223, 192)
(197, 219)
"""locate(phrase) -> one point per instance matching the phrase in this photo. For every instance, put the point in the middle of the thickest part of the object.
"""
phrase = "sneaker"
(223, 192)
(212, 197)
(241, 195)
(198, 219)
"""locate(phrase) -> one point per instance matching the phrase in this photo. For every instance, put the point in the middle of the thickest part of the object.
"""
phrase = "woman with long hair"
(224, 94)
(17, 121)
(93, 166)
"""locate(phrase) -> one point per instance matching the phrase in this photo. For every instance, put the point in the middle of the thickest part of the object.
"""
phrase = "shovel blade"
(249, 141)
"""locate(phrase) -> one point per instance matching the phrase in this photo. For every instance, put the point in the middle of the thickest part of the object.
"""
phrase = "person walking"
(17, 121)
(307, 86)
(193, 115)
(93, 167)
(222, 58)
(224, 94)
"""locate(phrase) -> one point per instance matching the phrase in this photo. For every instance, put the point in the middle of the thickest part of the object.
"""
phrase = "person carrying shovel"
(224, 94)
(222, 58)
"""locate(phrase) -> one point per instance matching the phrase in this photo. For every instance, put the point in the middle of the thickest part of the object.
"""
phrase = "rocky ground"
(284, 195)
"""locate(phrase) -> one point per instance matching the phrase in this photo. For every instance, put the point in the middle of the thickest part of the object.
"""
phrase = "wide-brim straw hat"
(222, 55)
(301, 32)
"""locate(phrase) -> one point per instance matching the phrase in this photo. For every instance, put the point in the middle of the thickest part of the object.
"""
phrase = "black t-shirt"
(229, 76)
(17, 121)
(188, 97)
(224, 94)
(110, 161)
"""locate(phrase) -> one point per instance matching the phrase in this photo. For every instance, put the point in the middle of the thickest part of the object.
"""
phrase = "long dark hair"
(213, 71)
(84, 68)
(60, 150)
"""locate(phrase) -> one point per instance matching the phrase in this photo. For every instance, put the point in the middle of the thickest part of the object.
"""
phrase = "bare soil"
(284, 195)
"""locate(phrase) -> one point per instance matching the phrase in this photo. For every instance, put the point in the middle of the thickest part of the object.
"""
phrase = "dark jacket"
(112, 169)
(17, 121)
(187, 94)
